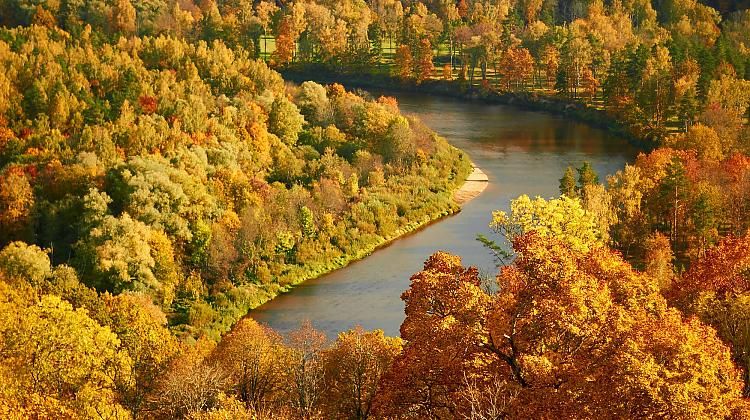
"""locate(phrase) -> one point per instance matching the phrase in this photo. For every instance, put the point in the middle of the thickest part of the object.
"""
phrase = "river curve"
(521, 152)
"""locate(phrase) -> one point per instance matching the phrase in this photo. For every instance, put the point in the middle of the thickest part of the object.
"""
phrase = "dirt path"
(475, 183)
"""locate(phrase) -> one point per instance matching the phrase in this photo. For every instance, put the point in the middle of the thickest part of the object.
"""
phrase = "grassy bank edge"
(312, 272)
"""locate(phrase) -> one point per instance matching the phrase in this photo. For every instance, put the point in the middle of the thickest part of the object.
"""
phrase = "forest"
(159, 178)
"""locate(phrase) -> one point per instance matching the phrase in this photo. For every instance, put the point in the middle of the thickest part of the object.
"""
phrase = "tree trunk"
(450, 41)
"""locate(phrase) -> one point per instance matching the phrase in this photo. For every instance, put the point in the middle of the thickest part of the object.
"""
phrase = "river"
(521, 152)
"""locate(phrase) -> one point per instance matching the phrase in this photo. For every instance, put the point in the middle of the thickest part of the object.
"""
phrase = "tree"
(586, 176)
(404, 62)
(123, 17)
(264, 11)
(531, 9)
(144, 338)
(516, 66)
(159, 193)
(285, 120)
(569, 333)
(254, 359)
(656, 90)
(551, 62)
(716, 289)
(60, 354)
(564, 219)
(703, 215)
(598, 203)
(444, 320)
(286, 42)
(307, 222)
(703, 140)
(728, 100)
(448, 12)
(192, 384)
(322, 41)
(212, 24)
(25, 263)
(568, 183)
(304, 371)
(673, 194)
(424, 64)
(43, 17)
(659, 257)
(16, 202)
(353, 367)
(398, 144)
(686, 93)
(576, 55)
(117, 256)
(314, 104)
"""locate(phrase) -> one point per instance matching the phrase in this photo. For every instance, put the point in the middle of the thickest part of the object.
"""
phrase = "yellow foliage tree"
(562, 218)
(57, 360)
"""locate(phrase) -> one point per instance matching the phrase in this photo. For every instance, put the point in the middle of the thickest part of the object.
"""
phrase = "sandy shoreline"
(475, 183)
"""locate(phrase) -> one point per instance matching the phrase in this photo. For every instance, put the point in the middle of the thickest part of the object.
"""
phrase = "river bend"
(521, 152)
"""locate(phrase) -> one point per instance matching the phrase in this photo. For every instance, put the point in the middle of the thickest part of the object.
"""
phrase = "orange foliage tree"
(286, 41)
(254, 357)
(16, 202)
(304, 371)
(716, 288)
(424, 64)
(516, 66)
(569, 334)
(404, 62)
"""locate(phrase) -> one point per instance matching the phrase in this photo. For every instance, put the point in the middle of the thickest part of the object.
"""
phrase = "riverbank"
(474, 182)
(474, 185)
(461, 90)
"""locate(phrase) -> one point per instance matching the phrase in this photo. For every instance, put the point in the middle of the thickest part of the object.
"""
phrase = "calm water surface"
(521, 152)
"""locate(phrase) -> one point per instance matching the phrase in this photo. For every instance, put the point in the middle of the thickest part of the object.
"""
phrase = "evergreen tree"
(586, 176)
(673, 193)
(568, 183)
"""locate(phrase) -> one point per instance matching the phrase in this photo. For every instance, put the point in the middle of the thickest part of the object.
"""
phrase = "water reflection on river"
(521, 152)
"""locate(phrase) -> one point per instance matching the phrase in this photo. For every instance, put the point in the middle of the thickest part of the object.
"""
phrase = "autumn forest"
(168, 166)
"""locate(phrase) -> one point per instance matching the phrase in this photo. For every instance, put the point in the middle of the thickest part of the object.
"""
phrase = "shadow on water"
(521, 152)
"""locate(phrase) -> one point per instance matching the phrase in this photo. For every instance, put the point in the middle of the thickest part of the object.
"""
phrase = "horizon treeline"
(652, 65)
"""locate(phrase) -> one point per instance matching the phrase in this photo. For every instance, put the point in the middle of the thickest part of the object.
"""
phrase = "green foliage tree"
(285, 120)
(27, 263)
(568, 183)
(586, 176)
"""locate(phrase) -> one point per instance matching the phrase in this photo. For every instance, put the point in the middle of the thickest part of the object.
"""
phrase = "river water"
(521, 152)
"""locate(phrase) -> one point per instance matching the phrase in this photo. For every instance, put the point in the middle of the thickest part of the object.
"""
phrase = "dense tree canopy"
(568, 334)
(151, 165)
(158, 179)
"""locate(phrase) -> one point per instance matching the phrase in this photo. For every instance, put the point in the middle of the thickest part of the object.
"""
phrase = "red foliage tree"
(149, 104)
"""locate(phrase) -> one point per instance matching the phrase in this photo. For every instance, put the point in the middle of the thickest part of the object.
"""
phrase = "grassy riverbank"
(447, 206)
